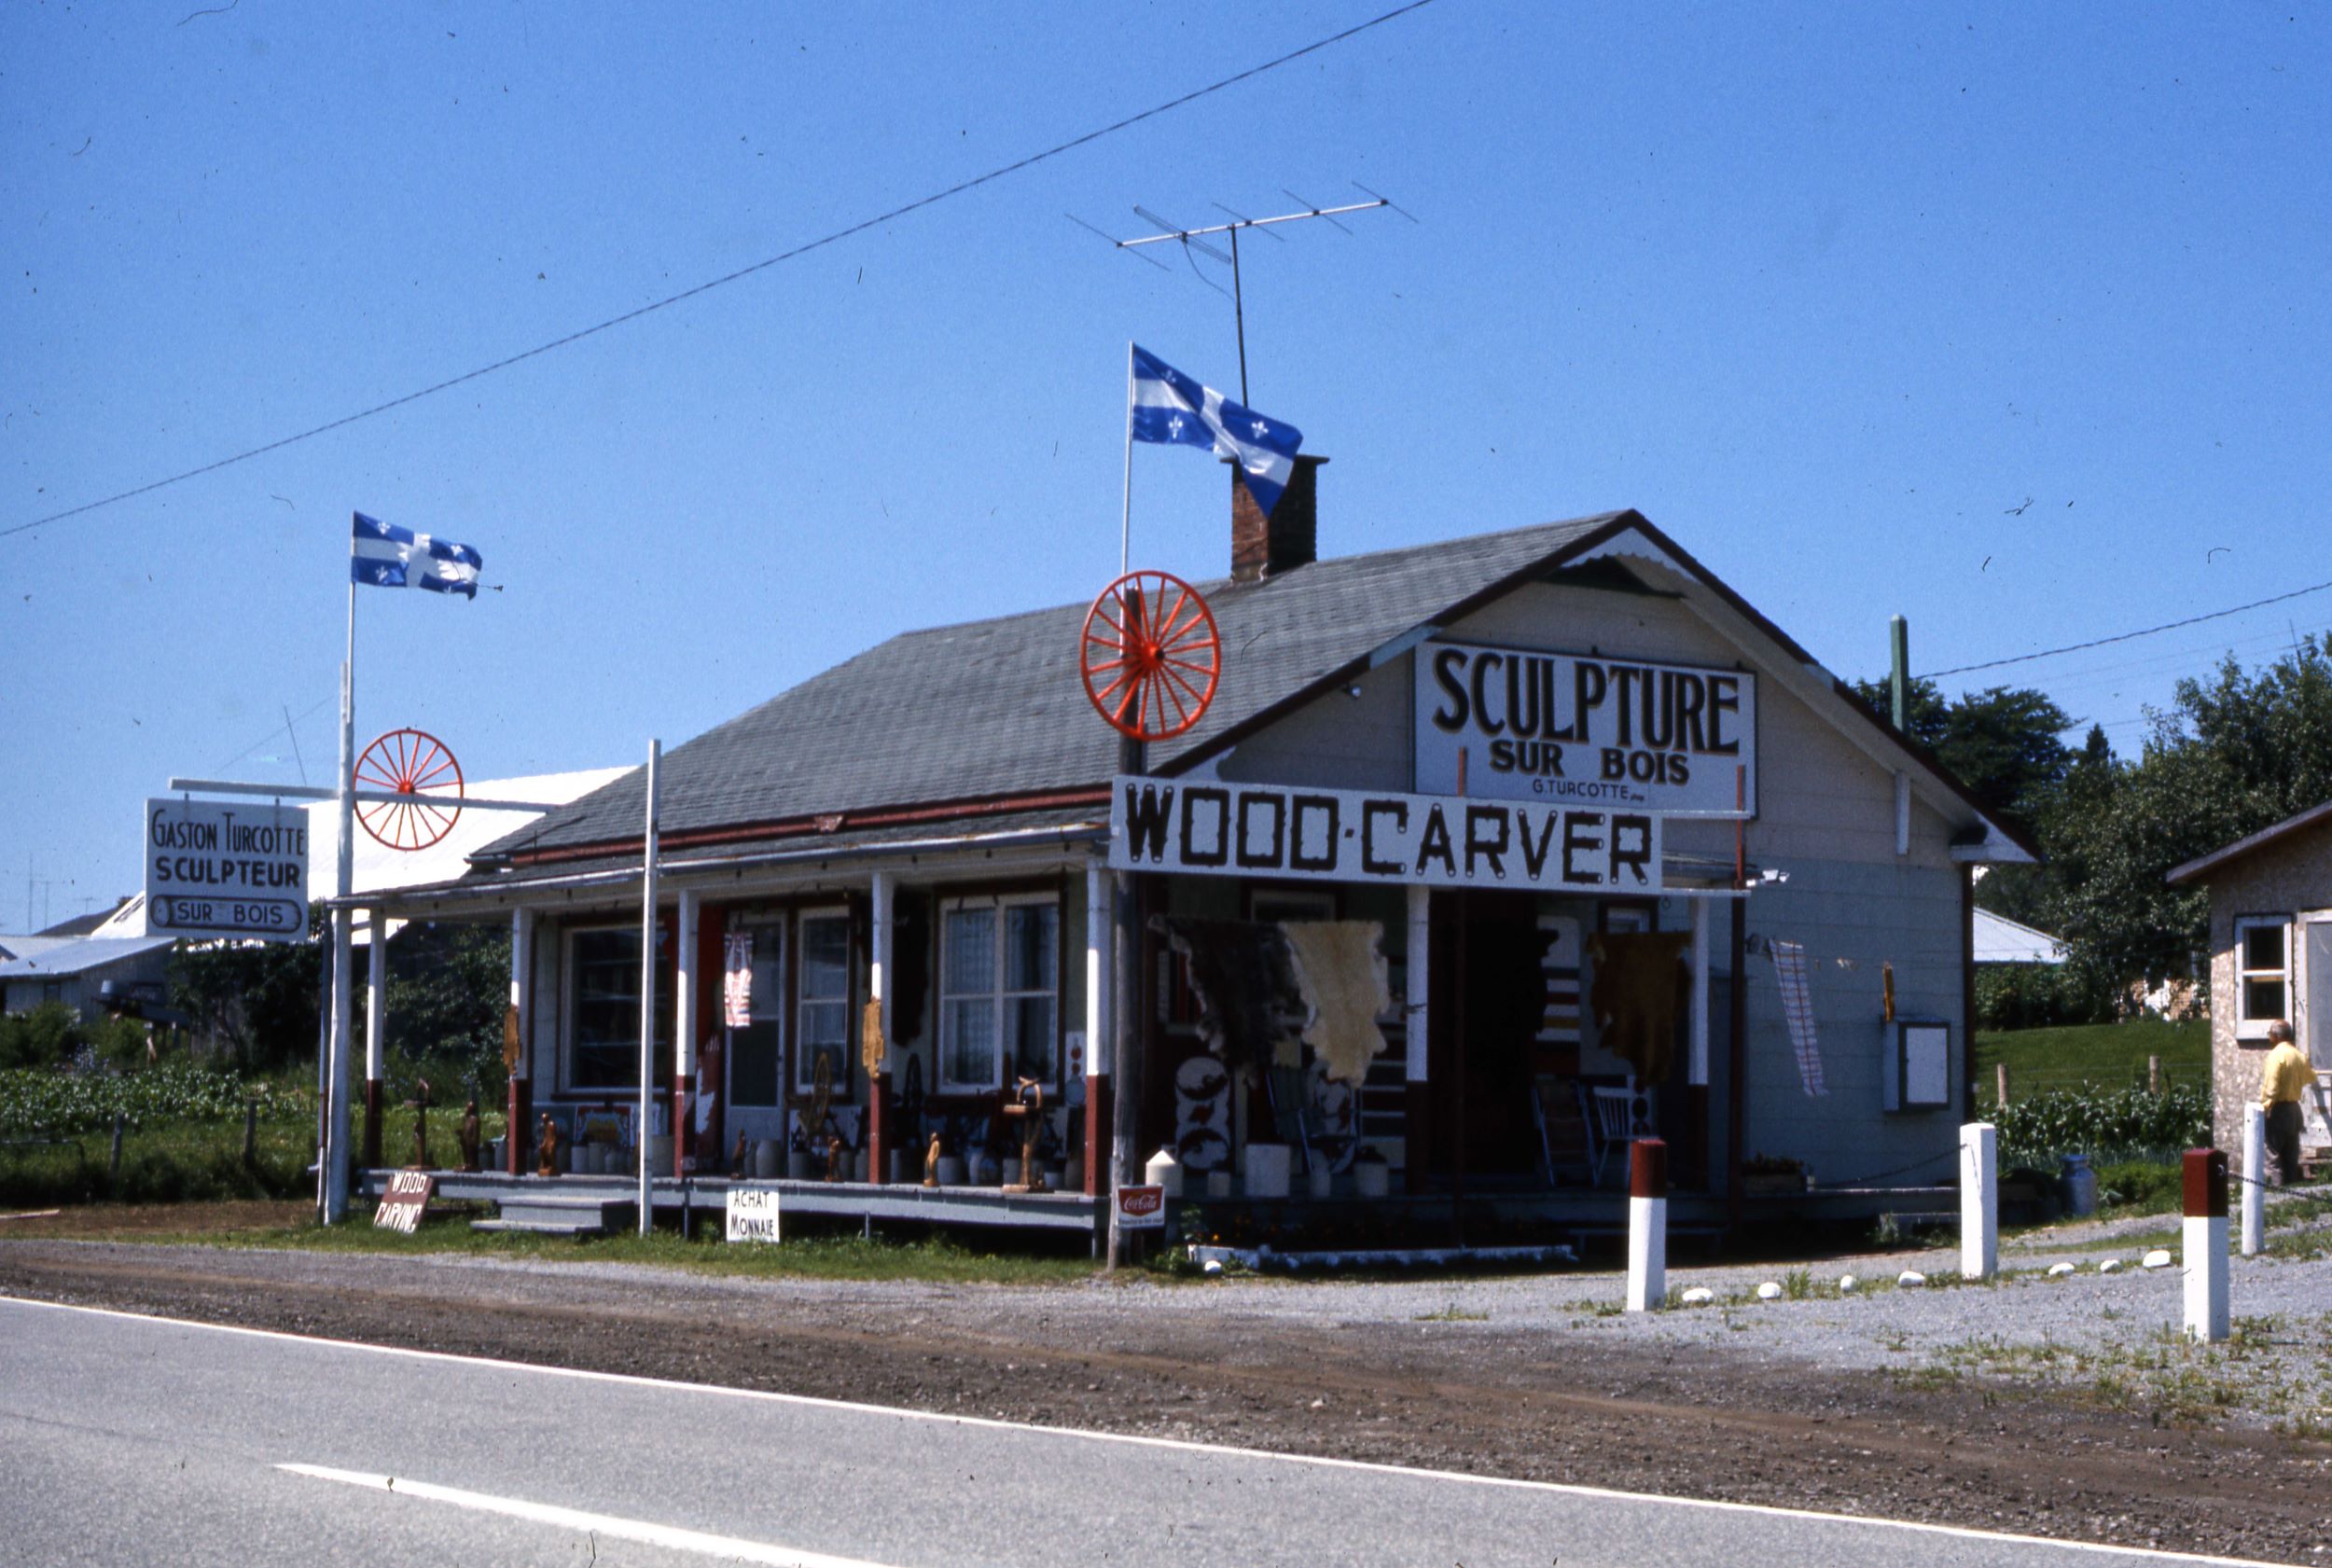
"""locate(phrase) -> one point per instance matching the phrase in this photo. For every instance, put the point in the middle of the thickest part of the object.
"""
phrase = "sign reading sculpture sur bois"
(225, 868)
(1579, 729)
(1353, 836)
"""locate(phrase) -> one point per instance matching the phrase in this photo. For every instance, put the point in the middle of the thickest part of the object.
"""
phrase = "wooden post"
(2154, 1075)
(112, 1162)
(1979, 1200)
(250, 1133)
(1126, 1053)
(1647, 1225)
(2204, 1246)
(2001, 1095)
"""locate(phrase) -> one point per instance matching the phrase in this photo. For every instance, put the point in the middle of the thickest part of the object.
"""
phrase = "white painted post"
(1979, 1200)
(1647, 1225)
(1098, 889)
(334, 1176)
(688, 985)
(647, 994)
(518, 1103)
(2255, 1178)
(376, 1031)
(2204, 1246)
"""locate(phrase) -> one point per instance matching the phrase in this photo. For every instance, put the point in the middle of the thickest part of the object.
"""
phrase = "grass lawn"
(2106, 1056)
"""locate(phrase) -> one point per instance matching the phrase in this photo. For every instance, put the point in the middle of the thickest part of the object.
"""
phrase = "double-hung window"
(823, 1022)
(604, 1008)
(999, 1007)
(2262, 974)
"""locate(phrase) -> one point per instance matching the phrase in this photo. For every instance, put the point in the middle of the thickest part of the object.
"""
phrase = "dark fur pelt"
(1245, 982)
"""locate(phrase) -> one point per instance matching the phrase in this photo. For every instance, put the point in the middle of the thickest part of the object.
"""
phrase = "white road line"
(735, 1548)
(1563, 1488)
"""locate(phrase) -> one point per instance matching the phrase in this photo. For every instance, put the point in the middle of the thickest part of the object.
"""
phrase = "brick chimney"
(1264, 548)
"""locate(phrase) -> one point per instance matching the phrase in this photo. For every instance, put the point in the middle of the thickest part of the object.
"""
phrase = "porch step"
(555, 1214)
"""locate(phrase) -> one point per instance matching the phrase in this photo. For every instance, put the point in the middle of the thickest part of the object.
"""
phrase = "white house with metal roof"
(1686, 884)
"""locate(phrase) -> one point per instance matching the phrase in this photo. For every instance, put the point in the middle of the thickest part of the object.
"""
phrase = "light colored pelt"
(1341, 973)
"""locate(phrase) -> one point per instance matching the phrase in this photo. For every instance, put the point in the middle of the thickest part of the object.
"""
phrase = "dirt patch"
(98, 1221)
(1445, 1395)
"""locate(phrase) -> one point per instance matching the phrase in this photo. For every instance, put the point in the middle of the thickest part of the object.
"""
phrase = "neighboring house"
(2001, 940)
(87, 974)
(921, 840)
(2271, 959)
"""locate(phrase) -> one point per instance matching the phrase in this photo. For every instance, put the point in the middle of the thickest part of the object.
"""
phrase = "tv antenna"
(1196, 240)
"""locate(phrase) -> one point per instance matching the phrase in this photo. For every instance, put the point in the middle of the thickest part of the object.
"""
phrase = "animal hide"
(1642, 986)
(1340, 974)
(1245, 984)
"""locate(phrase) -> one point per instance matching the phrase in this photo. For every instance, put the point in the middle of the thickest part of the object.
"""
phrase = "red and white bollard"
(1647, 1225)
(1979, 1200)
(2204, 1244)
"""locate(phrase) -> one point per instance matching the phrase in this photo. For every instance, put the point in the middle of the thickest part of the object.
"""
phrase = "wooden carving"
(547, 1148)
(465, 1136)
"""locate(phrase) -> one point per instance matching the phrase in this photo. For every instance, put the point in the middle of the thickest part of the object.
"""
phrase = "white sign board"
(225, 868)
(1575, 730)
(1352, 836)
(752, 1213)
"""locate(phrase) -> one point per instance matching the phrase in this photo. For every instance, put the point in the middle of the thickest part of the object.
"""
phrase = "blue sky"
(1827, 293)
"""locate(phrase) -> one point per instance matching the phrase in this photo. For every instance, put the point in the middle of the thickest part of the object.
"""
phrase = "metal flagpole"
(1125, 525)
(647, 994)
(335, 1178)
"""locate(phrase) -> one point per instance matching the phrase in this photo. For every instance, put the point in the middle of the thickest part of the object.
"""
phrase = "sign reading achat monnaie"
(1570, 730)
(752, 1214)
(225, 868)
(1352, 836)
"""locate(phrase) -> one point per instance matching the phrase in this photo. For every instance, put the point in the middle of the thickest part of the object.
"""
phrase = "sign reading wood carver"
(406, 1200)
(752, 1214)
(1141, 1208)
(1349, 836)
(225, 868)
(1575, 730)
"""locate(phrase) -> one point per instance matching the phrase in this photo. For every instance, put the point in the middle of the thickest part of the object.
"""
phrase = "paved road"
(133, 1440)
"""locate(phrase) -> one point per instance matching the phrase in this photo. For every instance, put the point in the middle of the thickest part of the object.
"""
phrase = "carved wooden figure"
(547, 1148)
(467, 1136)
(931, 1162)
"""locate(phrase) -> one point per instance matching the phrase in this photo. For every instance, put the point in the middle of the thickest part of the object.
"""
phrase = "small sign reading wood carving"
(1141, 1208)
(408, 1196)
(752, 1214)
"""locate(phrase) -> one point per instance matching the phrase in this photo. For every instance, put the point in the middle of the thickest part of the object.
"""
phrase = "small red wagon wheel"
(412, 763)
(1151, 656)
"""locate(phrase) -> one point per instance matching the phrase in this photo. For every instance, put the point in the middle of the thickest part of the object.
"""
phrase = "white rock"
(1848, 1285)
(2159, 1258)
(2111, 1266)
(1910, 1279)
(1699, 1296)
(1212, 1266)
(2058, 1270)
(1769, 1292)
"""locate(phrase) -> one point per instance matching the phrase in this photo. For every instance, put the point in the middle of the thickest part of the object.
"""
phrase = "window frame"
(571, 980)
(799, 1072)
(999, 997)
(2246, 1027)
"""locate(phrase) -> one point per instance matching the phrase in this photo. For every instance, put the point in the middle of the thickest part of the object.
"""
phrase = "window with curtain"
(999, 971)
(823, 1022)
(755, 1050)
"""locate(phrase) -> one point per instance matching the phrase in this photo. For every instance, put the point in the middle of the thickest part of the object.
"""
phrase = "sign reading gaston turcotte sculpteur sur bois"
(1575, 729)
(1356, 835)
(220, 869)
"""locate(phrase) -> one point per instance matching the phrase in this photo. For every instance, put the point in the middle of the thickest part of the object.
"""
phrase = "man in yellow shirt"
(2284, 1079)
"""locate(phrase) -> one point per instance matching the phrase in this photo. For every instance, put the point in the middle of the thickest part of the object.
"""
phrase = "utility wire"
(742, 272)
(2123, 637)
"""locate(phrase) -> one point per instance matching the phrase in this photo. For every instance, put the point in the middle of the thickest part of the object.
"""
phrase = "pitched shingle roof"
(994, 709)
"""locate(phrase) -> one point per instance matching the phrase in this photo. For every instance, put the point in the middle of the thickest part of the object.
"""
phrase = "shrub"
(2124, 1121)
(61, 1103)
(44, 1038)
(2037, 996)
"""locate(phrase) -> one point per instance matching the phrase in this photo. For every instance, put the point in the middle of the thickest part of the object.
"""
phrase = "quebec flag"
(1170, 406)
(387, 556)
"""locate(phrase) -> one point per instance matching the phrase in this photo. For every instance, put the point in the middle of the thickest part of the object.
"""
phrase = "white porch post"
(376, 1028)
(1098, 889)
(686, 986)
(880, 1135)
(520, 1101)
(647, 994)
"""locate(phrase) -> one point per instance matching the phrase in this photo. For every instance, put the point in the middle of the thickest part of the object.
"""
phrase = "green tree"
(2003, 743)
(42, 1037)
(255, 1004)
(2234, 753)
(449, 985)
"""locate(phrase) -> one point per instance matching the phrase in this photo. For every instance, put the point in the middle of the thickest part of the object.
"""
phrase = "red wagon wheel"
(1151, 656)
(412, 763)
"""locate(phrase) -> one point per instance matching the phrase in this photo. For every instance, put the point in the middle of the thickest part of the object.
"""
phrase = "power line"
(2125, 636)
(742, 272)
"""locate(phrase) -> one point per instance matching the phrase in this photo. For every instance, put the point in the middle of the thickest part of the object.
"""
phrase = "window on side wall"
(2262, 974)
(999, 971)
(823, 1021)
(604, 1008)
